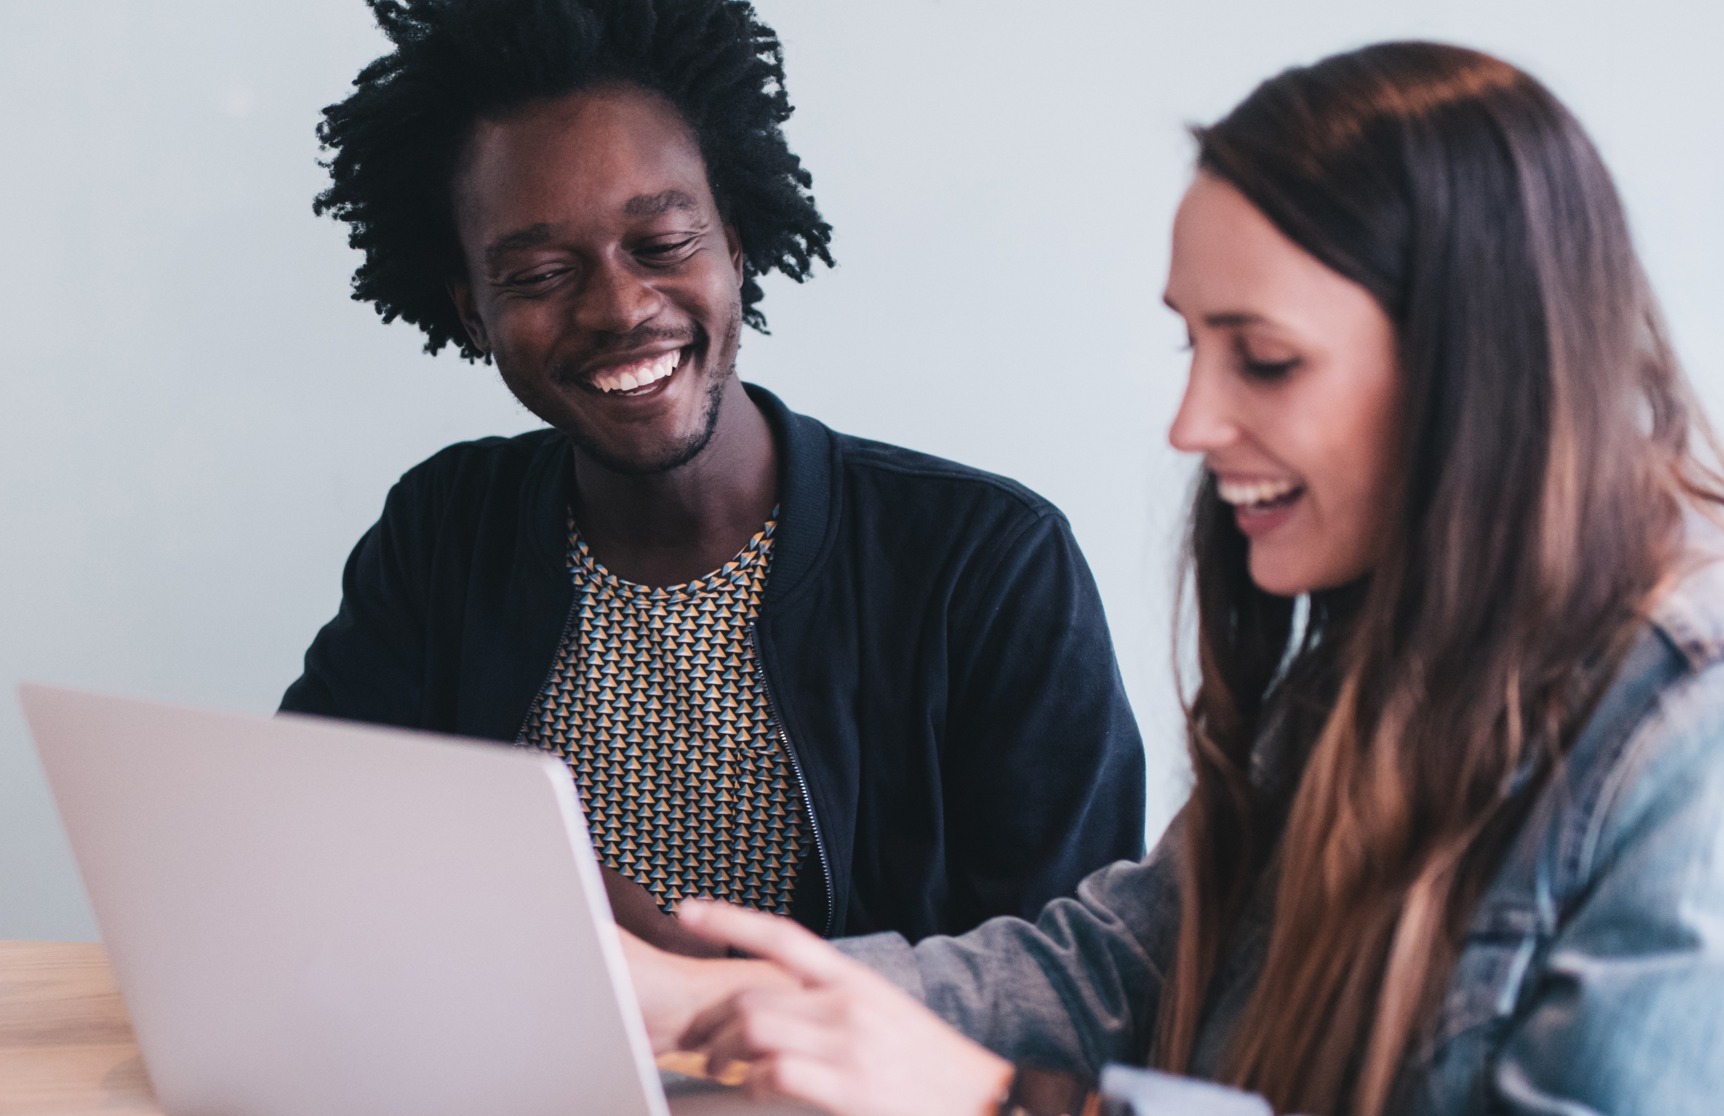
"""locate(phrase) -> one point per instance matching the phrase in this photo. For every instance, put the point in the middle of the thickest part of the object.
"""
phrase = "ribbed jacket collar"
(807, 497)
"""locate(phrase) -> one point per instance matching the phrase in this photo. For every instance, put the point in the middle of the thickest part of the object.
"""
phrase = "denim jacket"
(1591, 978)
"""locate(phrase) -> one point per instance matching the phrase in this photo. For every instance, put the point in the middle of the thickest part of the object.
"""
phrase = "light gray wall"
(197, 423)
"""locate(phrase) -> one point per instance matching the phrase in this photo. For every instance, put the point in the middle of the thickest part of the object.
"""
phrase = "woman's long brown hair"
(1545, 461)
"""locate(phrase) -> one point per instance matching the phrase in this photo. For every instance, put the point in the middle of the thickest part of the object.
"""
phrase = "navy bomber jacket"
(934, 650)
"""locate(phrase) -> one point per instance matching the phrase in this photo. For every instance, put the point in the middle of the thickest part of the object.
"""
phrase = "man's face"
(600, 276)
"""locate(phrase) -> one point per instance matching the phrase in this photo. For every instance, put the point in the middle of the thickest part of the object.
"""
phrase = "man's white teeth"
(1247, 493)
(631, 377)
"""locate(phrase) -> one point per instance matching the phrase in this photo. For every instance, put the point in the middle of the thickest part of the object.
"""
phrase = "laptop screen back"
(306, 916)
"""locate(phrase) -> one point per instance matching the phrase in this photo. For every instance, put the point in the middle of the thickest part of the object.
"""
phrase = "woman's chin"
(1283, 576)
(1278, 578)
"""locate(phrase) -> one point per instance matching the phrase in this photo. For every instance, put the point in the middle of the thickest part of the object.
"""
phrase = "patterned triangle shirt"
(656, 702)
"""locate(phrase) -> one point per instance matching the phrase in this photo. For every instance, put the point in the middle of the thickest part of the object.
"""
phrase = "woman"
(1454, 844)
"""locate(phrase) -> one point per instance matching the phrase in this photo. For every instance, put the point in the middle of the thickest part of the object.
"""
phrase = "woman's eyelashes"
(1252, 365)
(1255, 365)
(1268, 369)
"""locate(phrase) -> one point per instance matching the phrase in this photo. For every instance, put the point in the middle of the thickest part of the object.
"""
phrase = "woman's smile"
(1259, 505)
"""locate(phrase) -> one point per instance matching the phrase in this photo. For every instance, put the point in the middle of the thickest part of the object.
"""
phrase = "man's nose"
(616, 299)
(1204, 422)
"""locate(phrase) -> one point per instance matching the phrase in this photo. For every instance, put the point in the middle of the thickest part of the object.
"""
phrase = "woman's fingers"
(838, 1035)
(753, 1027)
(672, 990)
(779, 940)
(812, 1081)
(856, 1047)
(701, 1032)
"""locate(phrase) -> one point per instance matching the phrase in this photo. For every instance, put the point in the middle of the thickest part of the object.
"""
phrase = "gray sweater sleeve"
(1078, 987)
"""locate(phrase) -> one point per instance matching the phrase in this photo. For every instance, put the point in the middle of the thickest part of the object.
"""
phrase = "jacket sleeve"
(1626, 1016)
(368, 663)
(1076, 988)
(1038, 716)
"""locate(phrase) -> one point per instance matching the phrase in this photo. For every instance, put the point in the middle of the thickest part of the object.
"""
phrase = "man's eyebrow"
(657, 205)
(643, 205)
(530, 237)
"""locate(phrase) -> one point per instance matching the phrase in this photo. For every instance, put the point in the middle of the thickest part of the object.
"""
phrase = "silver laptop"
(314, 918)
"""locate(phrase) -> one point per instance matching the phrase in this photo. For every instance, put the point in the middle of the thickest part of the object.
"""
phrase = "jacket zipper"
(550, 671)
(801, 782)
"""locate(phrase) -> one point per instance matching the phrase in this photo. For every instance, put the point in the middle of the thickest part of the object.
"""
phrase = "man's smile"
(636, 372)
(636, 377)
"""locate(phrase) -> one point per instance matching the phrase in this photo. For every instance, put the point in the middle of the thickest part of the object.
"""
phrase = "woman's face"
(1294, 393)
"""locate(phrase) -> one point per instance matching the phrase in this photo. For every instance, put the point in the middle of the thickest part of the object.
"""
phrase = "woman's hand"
(673, 989)
(838, 1036)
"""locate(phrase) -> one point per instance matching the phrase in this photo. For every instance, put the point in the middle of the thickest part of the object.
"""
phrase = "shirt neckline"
(755, 554)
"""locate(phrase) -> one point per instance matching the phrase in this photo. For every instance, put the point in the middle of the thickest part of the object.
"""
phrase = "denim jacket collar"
(1690, 612)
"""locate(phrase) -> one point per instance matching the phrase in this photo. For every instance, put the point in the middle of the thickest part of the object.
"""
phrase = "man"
(789, 668)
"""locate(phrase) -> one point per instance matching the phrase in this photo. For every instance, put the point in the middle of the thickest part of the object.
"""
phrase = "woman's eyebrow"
(1221, 319)
(1232, 319)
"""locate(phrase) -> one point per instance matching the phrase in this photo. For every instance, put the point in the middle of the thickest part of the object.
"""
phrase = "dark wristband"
(1040, 1092)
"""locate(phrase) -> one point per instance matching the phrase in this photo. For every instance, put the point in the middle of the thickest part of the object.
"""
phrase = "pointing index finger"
(775, 939)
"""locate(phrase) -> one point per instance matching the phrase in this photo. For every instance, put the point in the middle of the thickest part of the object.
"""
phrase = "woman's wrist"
(712, 981)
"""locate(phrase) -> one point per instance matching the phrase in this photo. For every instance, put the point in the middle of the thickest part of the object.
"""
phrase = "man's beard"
(689, 448)
(678, 456)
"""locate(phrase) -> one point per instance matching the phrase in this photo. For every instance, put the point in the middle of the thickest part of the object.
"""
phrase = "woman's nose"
(1204, 422)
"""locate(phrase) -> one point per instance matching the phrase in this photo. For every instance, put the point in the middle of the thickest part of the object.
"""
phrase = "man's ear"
(733, 244)
(461, 294)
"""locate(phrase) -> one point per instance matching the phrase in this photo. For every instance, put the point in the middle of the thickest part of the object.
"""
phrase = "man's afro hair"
(394, 142)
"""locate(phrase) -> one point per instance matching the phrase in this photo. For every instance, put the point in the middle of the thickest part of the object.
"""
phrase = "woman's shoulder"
(1666, 780)
(1686, 722)
(1592, 972)
(1644, 779)
(1688, 610)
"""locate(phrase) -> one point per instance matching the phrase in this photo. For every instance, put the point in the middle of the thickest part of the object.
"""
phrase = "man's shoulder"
(484, 477)
(485, 461)
(492, 454)
(888, 467)
(911, 481)
(876, 486)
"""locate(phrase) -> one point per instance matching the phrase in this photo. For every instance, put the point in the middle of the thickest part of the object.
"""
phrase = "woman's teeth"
(1249, 494)
(633, 377)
